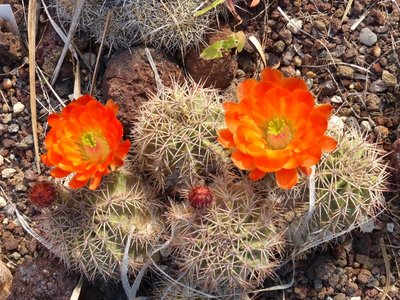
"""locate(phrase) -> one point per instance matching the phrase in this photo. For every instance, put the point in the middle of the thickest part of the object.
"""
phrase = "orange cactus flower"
(85, 139)
(275, 127)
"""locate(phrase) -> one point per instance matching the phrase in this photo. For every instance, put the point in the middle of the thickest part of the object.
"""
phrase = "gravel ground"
(351, 61)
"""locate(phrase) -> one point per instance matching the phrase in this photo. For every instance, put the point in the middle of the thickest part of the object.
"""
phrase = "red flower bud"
(43, 194)
(200, 196)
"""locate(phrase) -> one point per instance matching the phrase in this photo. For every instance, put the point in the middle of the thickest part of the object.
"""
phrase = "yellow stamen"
(88, 139)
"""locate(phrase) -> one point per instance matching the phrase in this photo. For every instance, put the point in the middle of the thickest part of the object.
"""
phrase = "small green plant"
(217, 49)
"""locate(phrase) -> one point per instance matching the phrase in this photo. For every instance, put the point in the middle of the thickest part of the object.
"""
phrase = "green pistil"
(276, 126)
(88, 139)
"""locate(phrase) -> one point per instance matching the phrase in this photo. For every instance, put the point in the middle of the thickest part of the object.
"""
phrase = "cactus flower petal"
(275, 127)
(85, 139)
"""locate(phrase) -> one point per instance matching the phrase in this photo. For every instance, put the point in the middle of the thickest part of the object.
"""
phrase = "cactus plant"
(349, 185)
(174, 138)
(168, 24)
(88, 230)
(230, 247)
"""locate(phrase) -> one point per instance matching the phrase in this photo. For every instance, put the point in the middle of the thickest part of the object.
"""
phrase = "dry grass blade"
(32, 78)
(347, 10)
(77, 290)
(106, 25)
(387, 268)
(71, 32)
(259, 48)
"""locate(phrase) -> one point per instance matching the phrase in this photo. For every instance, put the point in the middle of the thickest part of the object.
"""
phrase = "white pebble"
(336, 124)
(295, 25)
(365, 126)
(390, 227)
(18, 108)
(3, 202)
(336, 99)
(8, 173)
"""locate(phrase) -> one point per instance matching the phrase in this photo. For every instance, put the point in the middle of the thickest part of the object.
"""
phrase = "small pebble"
(381, 131)
(8, 173)
(378, 86)
(367, 37)
(7, 83)
(336, 124)
(336, 99)
(18, 107)
(346, 72)
(365, 126)
(3, 202)
(377, 51)
(16, 255)
(13, 128)
(295, 25)
(390, 227)
(389, 79)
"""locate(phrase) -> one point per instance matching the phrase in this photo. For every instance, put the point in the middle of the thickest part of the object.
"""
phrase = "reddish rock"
(129, 79)
(217, 73)
(12, 50)
(10, 243)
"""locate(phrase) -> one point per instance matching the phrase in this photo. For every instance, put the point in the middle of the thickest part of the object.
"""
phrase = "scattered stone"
(3, 202)
(378, 86)
(7, 83)
(349, 54)
(295, 25)
(13, 128)
(346, 72)
(365, 126)
(8, 173)
(18, 108)
(286, 36)
(26, 143)
(15, 255)
(311, 74)
(377, 51)
(42, 278)
(381, 131)
(364, 276)
(1, 160)
(336, 99)
(89, 58)
(373, 102)
(328, 88)
(6, 118)
(352, 122)
(5, 281)
(10, 243)
(320, 25)
(389, 79)
(336, 124)
(279, 46)
(340, 296)
(368, 37)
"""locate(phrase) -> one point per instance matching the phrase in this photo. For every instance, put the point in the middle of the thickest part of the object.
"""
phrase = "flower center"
(278, 133)
(88, 140)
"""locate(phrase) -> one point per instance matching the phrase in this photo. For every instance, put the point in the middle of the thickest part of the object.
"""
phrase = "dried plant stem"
(32, 77)
(96, 67)
(71, 32)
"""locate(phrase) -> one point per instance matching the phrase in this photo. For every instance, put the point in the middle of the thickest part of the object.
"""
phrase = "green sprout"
(215, 50)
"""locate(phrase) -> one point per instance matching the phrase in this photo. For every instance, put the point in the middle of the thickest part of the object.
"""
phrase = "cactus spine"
(175, 136)
(230, 247)
(89, 229)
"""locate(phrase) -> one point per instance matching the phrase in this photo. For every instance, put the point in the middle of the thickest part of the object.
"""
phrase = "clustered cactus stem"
(88, 230)
(174, 139)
